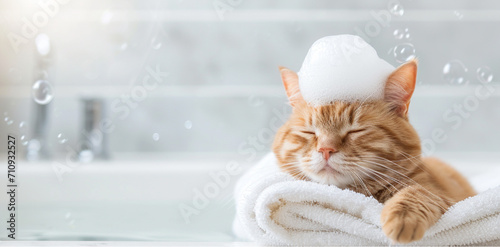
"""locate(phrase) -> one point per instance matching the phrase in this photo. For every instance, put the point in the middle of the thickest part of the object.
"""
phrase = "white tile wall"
(223, 73)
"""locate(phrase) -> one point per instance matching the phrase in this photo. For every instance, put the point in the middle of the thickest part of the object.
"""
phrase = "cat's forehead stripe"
(335, 114)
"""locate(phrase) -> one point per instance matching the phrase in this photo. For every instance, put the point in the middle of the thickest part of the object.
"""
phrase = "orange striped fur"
(378, 154)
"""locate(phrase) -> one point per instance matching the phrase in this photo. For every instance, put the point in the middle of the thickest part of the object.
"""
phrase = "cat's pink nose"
(327, 152)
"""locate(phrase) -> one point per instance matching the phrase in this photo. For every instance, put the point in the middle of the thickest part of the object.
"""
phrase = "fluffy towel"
(273, 208)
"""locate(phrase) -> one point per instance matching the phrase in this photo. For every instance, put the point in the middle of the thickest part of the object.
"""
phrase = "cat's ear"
(291, 82)
(400, 86)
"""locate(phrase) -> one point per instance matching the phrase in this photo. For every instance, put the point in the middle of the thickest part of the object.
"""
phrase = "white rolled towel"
(274, 208)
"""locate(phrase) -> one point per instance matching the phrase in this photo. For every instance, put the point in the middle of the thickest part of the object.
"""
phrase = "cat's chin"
(329, 171)
(331, 176)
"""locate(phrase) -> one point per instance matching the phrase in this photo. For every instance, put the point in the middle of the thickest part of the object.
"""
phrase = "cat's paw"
(403, 227)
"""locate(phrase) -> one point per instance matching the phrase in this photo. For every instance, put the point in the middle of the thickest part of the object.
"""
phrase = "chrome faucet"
(37, 148)
(94, 140)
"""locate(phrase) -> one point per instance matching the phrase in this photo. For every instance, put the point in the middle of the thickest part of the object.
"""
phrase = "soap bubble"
(390, 51)
(106, 17)
(42, 43)
(24, 140)
(484, 74)
(156, 136)
(398, 34)
(396, 9)
(156, 43)
(123, 46)
(85, 156)
(8, 120)
(69, 219)
(188, 124)
(157, 46)
(35, 145)
(401, 33)
(255, 101)
(404, 52)
(327, 73)
(455, 72)
(61, 139)
(42, 92)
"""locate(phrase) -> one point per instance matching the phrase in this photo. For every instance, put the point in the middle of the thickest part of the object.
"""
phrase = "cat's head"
(344, 142)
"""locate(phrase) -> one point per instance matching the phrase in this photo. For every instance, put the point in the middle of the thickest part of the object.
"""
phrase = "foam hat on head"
(342, 67)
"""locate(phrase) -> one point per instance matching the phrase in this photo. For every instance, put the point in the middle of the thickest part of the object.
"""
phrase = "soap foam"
(342, 68)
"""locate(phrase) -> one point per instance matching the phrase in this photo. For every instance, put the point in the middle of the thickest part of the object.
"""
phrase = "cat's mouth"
(328, 169)
(331, 174)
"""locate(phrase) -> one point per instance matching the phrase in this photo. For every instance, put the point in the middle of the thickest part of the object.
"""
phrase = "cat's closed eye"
(308, 132)
(355, 131)
(351, 132)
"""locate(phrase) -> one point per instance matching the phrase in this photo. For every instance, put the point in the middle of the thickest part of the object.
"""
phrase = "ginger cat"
(371, 148)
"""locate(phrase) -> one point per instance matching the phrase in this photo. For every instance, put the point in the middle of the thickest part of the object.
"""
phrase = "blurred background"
(198, 80)
(223, 81)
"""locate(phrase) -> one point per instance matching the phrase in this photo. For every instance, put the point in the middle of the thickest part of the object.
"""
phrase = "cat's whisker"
(295, 173)
(417, 164)
(364, 185)
(374, 173)
(386, 160)
(406, 185)
(419, 185)
(352, 178)
(409, 157)
(385, 166)
(380, 173)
